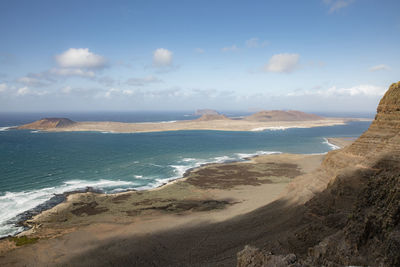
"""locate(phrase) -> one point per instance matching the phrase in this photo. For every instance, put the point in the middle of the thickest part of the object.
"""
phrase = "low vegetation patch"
(24, 240)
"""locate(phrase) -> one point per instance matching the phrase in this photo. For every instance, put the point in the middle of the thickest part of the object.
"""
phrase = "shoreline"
(58, 199)
(211, 193)
(185, 125)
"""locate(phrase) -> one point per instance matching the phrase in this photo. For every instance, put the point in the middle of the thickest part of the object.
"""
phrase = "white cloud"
(33, 81)
(379, 67)
(255, 42)
(80, 58)
(66, 89)
(230, 48)
(23, 91)
(27, 80)
(358, 90)
(71, 72)
(3, 87)
(128, 92)
(143, 81)
(26, 91)
(162, 57)
(199, 50)
(282, 63)
(335, 5)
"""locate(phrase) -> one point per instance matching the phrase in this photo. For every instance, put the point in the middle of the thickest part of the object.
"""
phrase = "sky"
(314, 55)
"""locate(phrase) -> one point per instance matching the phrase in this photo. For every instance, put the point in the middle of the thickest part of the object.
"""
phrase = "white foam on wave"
(180, 169)
(167, 121)
(258, 153)
(332, 146)
(275, 128)
(223, 159)
(188, 159)
(3, 129)
(15, 203)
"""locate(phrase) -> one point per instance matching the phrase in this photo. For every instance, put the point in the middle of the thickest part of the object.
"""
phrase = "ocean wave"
(3, 129)
(167, 121)
(223, 159)
(275, 128)
(13, 204)
(332, 146)
(188, 159)
(258, 153)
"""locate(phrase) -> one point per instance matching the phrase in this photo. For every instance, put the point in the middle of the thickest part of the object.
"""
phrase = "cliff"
(281, 115)
(356, 219)
(48, 123)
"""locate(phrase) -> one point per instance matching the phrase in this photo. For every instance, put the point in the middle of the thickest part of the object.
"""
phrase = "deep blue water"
(36, 165)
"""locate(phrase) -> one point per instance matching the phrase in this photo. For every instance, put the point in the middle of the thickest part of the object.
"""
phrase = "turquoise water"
(36, 165)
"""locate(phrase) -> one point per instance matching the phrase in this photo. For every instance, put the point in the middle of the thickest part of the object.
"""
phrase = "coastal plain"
(209, 194)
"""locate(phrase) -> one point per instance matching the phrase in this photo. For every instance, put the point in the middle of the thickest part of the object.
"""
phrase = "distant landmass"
(209, 120)
(281, 115)
(212, 117)
(206, 112)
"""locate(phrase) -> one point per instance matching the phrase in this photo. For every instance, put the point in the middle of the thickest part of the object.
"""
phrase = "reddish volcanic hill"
(48, 123)
(281, 115)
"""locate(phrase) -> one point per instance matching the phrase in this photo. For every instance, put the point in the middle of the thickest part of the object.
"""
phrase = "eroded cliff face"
(356, 219)
(383, 134)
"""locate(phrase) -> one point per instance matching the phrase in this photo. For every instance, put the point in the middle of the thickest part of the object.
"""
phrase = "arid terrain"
(260, 121)
(277, 210)
(207, 195)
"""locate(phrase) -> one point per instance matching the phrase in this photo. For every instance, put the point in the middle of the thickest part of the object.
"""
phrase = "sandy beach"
(210, 194)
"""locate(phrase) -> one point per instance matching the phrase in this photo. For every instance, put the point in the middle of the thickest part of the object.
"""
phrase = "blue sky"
(317, 55)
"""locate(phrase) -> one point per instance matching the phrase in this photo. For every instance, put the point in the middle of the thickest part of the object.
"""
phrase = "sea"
(37, 168)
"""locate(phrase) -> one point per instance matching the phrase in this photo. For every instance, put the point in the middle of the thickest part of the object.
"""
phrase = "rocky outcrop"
(254, 257)
(48, 123)
(383, 134)
(356, 219)
(281, 115)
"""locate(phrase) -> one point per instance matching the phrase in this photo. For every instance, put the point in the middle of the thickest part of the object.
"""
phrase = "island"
(263, 120)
